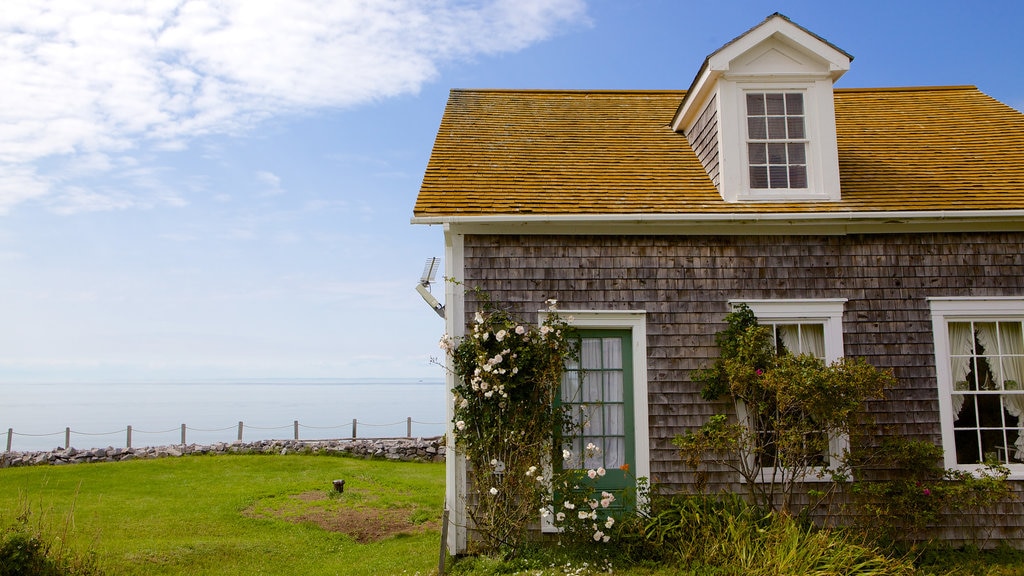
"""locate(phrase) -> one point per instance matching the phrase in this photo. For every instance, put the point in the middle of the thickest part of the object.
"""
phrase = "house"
(886, 224)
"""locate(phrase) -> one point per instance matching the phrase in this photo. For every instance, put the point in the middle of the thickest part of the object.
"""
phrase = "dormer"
(761, 117)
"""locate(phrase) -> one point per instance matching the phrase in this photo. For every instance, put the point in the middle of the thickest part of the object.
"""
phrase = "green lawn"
(238, 514)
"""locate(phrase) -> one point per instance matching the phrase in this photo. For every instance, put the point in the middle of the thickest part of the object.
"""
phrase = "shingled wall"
(685, 282)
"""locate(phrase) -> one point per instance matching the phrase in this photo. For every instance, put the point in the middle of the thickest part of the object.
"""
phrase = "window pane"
(571, 387)
(776, 128)
(968, 414)
(775, 104)
(796, 127)
(756, 129)
(590, 353)
(758, 153)
(758, 176)
(755, 104)
(592, 387)
(795, 104)
(614, 452)
(777, 153)
(990, 411)
(614, 420)
(612, 349)
(613, 387)
(967, 450)
(798, 177)
(796, 153)
(778, 177)
(812, 338)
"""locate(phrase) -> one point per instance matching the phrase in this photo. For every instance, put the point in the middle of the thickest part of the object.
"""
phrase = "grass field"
(237, 514)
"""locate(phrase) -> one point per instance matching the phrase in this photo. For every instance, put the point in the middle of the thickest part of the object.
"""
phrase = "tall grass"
(195, 515)
(726, 536)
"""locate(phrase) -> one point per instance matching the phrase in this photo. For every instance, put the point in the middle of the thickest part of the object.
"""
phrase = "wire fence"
(129, 431)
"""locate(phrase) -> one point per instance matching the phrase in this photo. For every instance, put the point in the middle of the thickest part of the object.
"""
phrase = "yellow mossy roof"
(512, 152)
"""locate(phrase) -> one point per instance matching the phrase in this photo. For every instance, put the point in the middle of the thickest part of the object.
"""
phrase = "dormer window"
(761, 118)
(776, 140)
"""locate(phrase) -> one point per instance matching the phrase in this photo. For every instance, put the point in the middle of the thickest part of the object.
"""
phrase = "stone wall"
(403, 449)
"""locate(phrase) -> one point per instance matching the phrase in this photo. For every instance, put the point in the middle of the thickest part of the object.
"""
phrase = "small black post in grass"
(339, 486)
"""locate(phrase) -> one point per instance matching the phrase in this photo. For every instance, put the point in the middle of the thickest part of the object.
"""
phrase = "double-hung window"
(808, 326)
(979, 351)
(776, 140)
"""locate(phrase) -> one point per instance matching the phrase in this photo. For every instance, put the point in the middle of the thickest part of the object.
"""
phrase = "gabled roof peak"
(776, 31)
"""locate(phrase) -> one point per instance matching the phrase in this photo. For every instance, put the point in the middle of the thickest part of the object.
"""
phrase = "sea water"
(99, 414)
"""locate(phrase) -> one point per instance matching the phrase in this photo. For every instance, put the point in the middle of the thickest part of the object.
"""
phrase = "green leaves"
(509, 375)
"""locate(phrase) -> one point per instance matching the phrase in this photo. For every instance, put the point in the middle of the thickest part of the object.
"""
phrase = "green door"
(599, 391)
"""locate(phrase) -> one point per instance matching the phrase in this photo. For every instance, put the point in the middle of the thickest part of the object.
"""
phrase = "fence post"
(182, 434)
(10, 435)
(239, 431)
(67, 438)
(128, 443)
(353, 428)
(408, 427)
(296, 429)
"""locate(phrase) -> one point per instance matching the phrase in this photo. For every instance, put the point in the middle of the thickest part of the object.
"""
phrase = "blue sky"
(194, 190)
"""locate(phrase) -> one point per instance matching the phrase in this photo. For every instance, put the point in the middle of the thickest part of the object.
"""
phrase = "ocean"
(100, 413)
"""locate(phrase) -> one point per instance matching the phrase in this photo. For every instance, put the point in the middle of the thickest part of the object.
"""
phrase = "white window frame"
(820, 141)
(829, 313)
(767, 140)
(636, 322)
(963, 309)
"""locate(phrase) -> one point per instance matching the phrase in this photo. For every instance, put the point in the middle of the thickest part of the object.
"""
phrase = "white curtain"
(790, 336)
(1011, 347)
(813, 336)
(803, 338)
(961, 342)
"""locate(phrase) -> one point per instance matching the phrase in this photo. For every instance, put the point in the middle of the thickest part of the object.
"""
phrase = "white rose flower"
(601, 471)
(609, 522)
(461, 425)
(583, 515)
(598, 535)
(494, 491)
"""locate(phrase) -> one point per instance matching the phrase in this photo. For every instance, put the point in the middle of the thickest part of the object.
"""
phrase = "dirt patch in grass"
(363, 524)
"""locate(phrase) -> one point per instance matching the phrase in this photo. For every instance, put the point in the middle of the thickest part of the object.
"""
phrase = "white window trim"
(636, 322)
(829, 312)
(959, 309)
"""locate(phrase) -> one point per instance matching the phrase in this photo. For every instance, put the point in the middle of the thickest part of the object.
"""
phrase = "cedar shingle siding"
(684, 283)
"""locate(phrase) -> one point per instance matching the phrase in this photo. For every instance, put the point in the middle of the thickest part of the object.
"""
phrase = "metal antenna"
(429, 272)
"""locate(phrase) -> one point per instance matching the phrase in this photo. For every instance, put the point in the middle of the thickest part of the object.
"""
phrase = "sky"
(200, 190)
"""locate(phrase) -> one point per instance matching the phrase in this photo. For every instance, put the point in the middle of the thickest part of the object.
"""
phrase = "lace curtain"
(1004, 349)
(961, 345)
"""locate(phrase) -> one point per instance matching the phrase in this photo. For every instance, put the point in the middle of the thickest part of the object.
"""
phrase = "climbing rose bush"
(506, 416)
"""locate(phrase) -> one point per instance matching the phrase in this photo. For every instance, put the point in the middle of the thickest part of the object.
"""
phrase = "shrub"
(25, 551)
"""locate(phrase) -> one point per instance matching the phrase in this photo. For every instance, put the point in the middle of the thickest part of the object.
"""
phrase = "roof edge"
(728, 217)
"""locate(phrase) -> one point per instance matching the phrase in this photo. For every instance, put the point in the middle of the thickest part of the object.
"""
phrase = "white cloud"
(102, 77)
